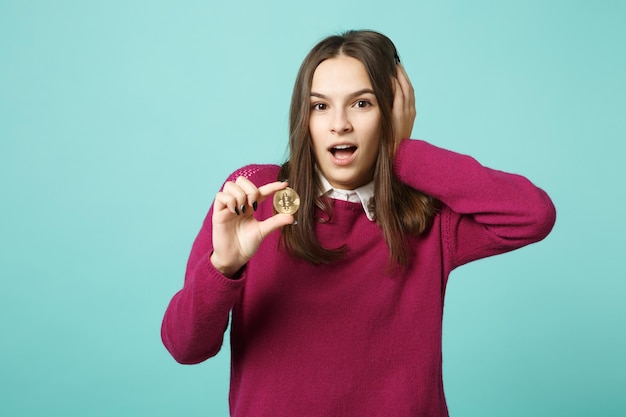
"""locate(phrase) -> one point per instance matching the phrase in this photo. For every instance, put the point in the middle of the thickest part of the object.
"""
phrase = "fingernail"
(254, 206)
(285, 180)
(236, 211)
(243, 208)
(295, 222)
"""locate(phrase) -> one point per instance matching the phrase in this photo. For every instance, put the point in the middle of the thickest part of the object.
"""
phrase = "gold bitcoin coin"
(286, 201)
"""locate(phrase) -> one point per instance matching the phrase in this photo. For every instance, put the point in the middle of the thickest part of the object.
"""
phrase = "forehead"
(340, 75)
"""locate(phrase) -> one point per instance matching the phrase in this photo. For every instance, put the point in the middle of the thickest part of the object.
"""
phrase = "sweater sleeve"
(197, 316)
(485, 212)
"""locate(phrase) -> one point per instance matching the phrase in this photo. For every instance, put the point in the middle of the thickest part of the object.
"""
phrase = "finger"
(409, 110)
(398, 98)
(406, 86)
(401, 108)
(224, 202)
(252, 192)
(403, 77)
(275, 222)
(238, 194)
(269, 189)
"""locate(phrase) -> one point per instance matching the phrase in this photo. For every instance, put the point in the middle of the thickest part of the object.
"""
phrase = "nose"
(340, 123)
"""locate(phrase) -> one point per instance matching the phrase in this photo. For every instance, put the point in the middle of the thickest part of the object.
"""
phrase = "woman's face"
(344, 122)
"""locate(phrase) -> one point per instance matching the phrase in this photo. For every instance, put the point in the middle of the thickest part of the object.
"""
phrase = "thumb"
(277, 221)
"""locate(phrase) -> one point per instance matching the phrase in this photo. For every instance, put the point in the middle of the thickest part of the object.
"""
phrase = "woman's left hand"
(403, 111)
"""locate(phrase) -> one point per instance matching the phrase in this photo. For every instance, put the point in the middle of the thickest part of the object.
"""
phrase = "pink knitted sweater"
(349, 339)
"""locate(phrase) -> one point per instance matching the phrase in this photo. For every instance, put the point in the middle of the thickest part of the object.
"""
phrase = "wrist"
(229, 271)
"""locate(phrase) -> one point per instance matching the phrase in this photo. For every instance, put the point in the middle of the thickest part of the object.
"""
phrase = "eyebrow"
(355, 94)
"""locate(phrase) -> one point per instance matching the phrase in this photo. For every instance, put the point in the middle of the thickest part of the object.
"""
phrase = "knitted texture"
(351, 338)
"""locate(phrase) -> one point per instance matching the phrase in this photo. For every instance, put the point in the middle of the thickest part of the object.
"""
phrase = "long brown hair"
(400, 210)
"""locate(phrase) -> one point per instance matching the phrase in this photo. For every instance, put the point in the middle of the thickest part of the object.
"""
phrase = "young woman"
(337, 310)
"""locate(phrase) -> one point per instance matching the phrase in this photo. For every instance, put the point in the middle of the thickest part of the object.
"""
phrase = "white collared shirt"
(363, 195)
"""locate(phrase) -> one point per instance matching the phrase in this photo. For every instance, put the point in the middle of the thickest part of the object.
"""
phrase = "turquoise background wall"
(119, 120)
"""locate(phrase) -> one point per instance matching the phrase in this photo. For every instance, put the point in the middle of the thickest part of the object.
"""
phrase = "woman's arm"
(491, 211)
(486, 211)
(197, 316)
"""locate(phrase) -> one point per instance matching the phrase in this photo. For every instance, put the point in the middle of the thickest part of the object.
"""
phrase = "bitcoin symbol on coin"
(286, 201)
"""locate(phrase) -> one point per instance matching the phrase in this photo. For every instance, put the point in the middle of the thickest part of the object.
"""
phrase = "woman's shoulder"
(258, 174)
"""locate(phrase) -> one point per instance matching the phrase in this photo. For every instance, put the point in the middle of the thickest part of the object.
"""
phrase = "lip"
(343, 161)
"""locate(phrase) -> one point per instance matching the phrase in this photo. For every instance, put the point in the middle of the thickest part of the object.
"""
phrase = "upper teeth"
(342, 146)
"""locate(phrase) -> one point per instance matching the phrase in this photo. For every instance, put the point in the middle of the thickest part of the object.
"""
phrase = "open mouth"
(343, 151)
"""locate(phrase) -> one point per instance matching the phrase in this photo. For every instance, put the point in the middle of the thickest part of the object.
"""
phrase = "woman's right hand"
(236, 233)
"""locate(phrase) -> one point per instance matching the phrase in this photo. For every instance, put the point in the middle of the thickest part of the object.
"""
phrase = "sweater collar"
(363, 195)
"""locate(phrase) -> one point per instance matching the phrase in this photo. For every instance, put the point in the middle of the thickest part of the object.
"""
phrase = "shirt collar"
(363, 195)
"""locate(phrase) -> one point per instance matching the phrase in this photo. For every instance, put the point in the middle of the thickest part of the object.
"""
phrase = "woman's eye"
(362, 103)
(318, 106)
